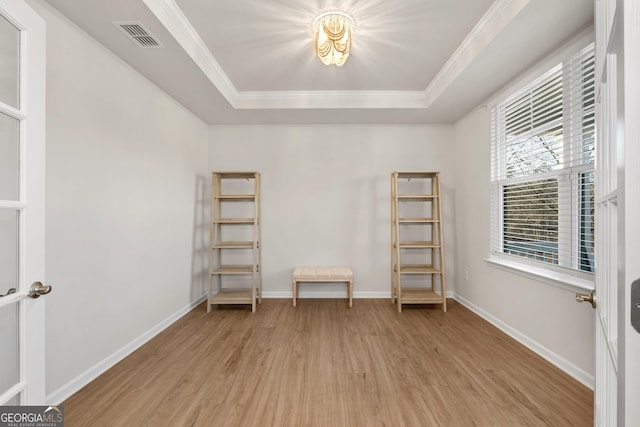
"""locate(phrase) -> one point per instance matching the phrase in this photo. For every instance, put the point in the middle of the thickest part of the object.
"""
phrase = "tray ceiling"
(412, 61)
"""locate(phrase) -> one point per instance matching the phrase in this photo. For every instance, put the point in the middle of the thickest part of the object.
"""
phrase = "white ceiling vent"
(138, 34)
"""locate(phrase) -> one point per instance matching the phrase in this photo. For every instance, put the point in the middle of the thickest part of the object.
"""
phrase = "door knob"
(590, 298)
(37, 289)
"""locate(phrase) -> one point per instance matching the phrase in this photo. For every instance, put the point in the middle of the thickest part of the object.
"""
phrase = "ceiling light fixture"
(332, 33)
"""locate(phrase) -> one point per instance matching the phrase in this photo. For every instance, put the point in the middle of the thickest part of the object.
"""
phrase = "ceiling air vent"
(138, 34)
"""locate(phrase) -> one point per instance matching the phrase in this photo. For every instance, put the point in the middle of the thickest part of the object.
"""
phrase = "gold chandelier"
(332, 32)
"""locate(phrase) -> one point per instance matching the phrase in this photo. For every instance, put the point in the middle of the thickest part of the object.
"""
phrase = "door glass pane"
(586, 260)
(9, 63)
(9, 347)
(14, 401)
(8, 250)
(9, 157)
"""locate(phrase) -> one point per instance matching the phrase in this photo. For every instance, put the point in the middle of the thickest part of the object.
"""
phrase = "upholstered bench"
(323, 275)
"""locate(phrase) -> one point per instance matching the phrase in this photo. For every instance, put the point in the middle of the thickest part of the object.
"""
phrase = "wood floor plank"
(322, 364)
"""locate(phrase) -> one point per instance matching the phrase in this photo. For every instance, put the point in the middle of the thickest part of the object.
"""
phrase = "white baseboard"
(372, 294)
(559, 361)
(64, 392)
(327, 294)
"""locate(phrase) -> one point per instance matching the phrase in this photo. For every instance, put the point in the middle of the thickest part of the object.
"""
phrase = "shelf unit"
(235, 255)
(417, 257)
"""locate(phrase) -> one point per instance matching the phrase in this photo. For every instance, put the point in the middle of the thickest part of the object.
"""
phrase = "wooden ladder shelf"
(417, 258)
(235, 275)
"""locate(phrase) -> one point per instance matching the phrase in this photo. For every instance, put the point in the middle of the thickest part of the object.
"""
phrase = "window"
(542, 177)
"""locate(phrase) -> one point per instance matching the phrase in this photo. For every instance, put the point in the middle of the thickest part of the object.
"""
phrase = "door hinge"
(635, 305)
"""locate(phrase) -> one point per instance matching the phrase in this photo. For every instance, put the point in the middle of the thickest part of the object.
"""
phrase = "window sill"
(554, 278)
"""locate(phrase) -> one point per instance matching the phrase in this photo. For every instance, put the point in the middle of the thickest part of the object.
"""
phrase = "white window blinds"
(543, 153)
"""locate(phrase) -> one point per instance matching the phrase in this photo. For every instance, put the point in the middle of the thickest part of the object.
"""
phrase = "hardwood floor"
(323, 364)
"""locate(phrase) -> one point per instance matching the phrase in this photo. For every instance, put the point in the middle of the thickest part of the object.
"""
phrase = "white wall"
(326, 194)
(544, 315)
(126, 231)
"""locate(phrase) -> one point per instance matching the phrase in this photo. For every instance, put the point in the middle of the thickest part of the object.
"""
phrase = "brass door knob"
(590, 298)
(37, 289)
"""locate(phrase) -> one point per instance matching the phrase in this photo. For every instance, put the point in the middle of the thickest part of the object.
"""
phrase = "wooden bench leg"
(350, 290)
(295, 291)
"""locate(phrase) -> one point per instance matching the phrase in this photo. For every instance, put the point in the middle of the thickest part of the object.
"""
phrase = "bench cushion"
(323, 273)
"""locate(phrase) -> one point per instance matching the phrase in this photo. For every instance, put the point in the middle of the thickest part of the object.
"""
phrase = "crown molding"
(490, 25)
(329, 99)
(173, 19)
(171, 16)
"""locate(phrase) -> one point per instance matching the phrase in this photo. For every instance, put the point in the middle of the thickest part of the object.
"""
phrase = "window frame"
(566, 273)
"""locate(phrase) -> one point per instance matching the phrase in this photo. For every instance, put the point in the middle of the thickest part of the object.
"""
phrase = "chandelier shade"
(332, 37)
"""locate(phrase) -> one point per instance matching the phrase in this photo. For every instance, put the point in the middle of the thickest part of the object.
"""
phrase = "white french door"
(617, 389)
(22, 130)
(629, 173)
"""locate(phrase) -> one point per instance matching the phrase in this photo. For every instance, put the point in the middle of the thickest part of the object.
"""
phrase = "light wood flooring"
(324, 364)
